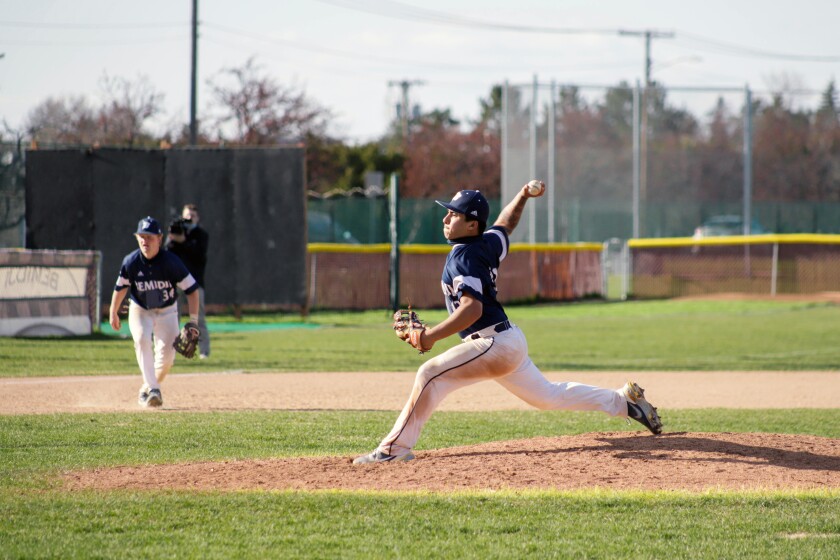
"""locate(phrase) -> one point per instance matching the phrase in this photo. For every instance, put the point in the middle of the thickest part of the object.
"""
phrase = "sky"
(347, 54)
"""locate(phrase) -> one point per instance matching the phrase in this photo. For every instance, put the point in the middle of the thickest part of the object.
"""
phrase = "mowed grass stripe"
(364, 525)
(664, 335)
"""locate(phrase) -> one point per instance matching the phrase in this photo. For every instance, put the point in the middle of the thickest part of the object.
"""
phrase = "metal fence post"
(551, 179)
(605, 271)
(97, 263)
(394, 211)
(747, 228)
(626, 270)
(532, 209)
(636, 159)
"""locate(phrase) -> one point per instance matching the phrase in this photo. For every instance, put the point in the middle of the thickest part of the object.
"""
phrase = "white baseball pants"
(504, 359)
(153, 331)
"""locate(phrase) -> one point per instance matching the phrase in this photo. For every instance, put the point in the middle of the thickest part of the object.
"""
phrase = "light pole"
(194, 75)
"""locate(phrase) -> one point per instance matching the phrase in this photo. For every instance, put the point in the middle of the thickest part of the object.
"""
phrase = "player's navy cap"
(471, 203)
(148, 225)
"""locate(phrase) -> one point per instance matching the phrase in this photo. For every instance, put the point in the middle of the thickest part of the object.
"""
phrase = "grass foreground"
(469, 525)
(39, 519)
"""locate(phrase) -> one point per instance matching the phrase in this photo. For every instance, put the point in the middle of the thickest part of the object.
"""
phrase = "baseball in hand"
(534, 187)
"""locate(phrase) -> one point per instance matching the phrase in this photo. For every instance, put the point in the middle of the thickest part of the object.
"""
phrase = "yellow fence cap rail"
(425, 249)
(549, 247)
(347, 248)
(804, 238)
(441, 249)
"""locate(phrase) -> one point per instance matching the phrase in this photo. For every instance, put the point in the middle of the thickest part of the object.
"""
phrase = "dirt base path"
(388, 391)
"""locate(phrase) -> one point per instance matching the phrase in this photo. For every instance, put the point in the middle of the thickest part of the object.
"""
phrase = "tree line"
(796, 151)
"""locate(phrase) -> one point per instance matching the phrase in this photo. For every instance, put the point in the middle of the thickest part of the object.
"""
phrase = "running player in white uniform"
(493, 347)
(149, 276)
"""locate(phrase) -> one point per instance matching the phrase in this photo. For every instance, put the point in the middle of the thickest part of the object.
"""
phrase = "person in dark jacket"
(189, 241)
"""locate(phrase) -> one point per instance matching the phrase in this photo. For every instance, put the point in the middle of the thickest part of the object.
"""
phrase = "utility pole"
(194, 74)
(648, 35)
(404, 117)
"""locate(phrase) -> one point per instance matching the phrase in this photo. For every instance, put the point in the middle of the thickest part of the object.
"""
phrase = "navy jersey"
(152, 283)
(472, 267)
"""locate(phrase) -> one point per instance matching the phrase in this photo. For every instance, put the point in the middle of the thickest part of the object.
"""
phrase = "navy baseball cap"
(149, 225)
(470, 203)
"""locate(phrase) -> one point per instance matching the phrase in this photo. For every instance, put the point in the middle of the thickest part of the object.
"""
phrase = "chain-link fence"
(629, 161)
(762, 265)
(12, 196)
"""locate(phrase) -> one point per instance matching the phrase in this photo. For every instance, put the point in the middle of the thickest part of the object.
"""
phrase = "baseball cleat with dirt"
(639, 409)
(155, 398)
(379, 457)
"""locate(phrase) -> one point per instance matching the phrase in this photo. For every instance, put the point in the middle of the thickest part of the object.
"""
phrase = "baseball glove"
(187, 340)
(409, 327)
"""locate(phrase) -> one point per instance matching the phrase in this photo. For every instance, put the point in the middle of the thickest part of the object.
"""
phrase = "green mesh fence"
(365, 220)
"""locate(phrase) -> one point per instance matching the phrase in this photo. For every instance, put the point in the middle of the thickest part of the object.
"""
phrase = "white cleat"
(155, 399)
(639, 409)
(379, 457)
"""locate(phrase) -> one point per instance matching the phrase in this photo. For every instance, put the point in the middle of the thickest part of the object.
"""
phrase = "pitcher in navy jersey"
(493, 347)
(150, 276)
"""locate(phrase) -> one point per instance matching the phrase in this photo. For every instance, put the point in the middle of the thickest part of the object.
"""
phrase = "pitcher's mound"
(620, 460)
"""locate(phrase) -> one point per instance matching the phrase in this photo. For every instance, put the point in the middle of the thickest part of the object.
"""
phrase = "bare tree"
(128, 106)
(440, 158)
(63, 120)
(261, 110)
(120, 120)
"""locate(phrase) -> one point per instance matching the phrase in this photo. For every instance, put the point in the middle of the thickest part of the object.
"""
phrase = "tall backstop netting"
(634, 162)
(251, 201)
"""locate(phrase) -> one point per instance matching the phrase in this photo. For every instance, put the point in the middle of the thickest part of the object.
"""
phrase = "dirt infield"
(673, 461)
(686, 461)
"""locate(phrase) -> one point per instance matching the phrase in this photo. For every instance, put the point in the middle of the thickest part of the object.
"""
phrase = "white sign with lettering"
(24, 282)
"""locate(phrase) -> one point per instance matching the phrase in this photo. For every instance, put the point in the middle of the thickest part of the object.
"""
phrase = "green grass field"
(680, 335)
(40, 520)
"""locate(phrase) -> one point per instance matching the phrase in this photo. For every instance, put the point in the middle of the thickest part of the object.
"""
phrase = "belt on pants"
(490, 331)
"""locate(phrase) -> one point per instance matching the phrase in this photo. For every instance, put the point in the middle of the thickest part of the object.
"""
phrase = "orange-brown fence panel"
(358, 276)
(765, 264)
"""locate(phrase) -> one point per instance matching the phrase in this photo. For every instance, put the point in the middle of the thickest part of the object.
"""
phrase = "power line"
(403, 11)
(94, 42)
(740, 50)
(103, 26)
(408, 12)
(344, 53)
(399, 10)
